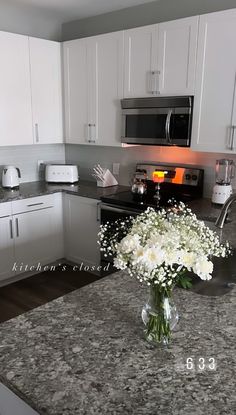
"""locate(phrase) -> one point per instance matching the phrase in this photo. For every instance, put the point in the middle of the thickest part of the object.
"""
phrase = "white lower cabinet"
(6, 246)
(82, 221)
(38, 230)
(31, 234)
(35, 238)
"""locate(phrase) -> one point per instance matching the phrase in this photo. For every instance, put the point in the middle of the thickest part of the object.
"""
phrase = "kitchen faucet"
(221, 218)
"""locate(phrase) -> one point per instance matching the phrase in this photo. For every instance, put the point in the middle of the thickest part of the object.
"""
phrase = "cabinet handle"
(154, 82)
(11, 229)
(35, 204)
(99, 212)
(17, 227)
(36, 132)
(232, 137)
(88, 133)
(91, 128)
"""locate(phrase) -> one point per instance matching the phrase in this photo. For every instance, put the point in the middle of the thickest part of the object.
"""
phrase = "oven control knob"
(194, 177)
(187, 176)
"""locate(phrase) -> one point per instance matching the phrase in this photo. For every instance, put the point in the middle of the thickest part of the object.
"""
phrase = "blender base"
(221, 193)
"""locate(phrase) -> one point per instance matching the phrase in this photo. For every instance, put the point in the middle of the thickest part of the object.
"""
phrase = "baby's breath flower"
(156, 246)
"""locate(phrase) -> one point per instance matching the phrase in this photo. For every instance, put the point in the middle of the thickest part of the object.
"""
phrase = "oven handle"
(119, 209)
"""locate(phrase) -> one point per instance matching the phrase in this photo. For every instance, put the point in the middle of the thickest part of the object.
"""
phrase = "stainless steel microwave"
(165, 121)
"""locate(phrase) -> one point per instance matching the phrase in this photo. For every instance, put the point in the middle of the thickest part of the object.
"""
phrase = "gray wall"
(154, 12)
(27, 21)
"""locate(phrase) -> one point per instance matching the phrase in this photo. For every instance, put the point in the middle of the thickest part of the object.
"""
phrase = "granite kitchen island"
(85, 353)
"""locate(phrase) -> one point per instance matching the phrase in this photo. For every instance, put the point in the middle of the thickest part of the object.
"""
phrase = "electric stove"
(179, 183)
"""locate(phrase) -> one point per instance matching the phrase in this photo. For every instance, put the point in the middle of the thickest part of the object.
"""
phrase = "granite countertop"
(84, 188)
(85, 354)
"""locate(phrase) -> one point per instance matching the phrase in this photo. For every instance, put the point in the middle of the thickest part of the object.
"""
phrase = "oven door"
(111, 213)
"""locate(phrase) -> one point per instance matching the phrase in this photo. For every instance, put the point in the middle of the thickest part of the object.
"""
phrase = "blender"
(225, 170)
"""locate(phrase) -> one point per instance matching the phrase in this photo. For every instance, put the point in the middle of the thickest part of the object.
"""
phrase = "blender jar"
(225, 170)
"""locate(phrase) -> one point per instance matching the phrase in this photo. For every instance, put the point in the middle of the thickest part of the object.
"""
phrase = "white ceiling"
(67, 10)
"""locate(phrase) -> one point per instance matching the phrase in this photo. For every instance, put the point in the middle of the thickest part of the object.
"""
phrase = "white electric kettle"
(10, 177)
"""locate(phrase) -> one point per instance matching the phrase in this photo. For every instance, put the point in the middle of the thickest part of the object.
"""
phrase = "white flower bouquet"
(160, 248)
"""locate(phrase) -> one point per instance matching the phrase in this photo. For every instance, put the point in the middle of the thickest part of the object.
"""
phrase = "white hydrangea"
(203, 268)
(119, 263)
(129, 243)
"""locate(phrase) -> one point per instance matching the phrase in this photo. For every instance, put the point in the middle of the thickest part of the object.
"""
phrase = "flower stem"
(158, 325)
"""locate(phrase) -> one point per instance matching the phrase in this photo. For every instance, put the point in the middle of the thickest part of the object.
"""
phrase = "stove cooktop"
(142, 202)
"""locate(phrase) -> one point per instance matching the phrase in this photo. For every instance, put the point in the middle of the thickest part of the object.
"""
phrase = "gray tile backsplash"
(87, 156)
(26, 158)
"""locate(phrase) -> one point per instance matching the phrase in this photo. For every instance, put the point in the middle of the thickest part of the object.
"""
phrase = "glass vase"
(159, 315)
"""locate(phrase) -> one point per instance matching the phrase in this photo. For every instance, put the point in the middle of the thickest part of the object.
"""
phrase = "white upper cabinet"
(214, 120)
(107, 73)
(177, 48)
(93, 82)
(140, 61)
(161, 59)
(75, 90)
(15, 94)
(30, 90)
(45, 67)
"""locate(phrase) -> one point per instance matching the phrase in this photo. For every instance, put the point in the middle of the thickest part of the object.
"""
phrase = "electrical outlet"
(116, 168)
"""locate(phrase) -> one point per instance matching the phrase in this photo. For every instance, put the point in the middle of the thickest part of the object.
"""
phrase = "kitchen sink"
(224, 273)
(223, 278)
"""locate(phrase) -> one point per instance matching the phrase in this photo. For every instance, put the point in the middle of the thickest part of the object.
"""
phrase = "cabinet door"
(177, 48)
(45, 66)
(35, 237)
(82, 227)
(107, 81)
(214, 106)
(75, 91)
(15, 94)
(6, 247)
(140, 61)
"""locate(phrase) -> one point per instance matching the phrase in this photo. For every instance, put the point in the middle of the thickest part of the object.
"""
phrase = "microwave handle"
(167, 127)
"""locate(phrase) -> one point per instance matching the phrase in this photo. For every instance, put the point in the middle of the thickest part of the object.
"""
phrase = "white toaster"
(61, 173)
